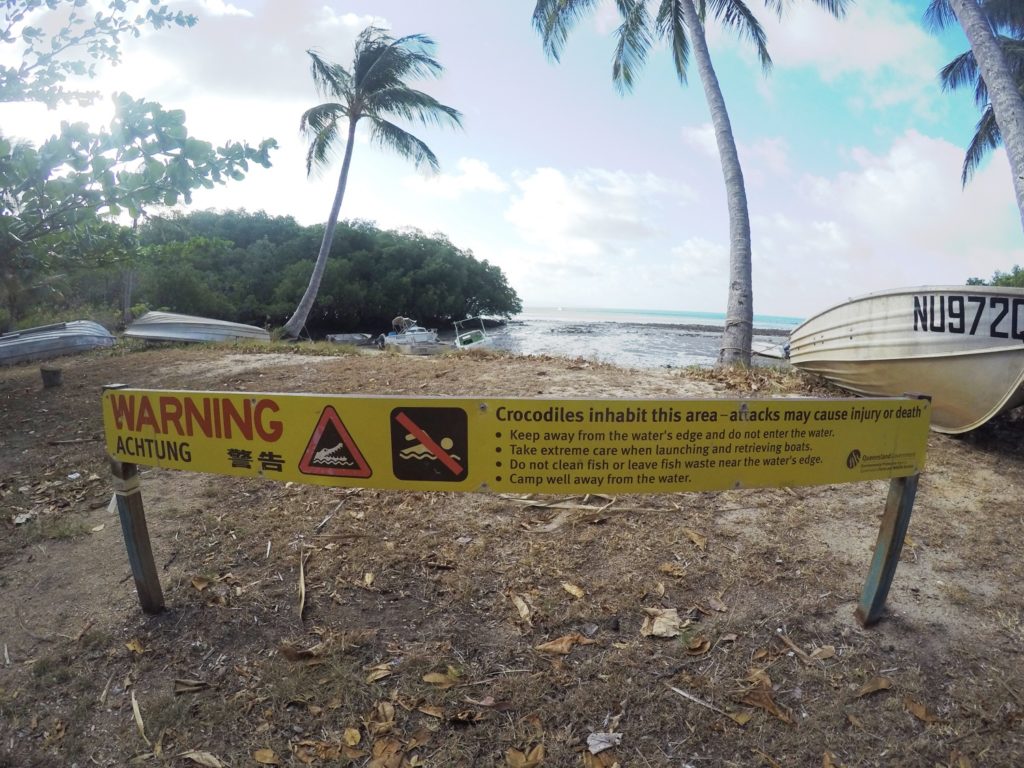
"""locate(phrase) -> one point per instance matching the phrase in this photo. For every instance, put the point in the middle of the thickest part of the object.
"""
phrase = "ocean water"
(629, 337)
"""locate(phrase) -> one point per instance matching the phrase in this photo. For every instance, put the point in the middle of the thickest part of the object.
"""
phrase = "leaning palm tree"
(375, 88)
(994, 29)
(681, 24)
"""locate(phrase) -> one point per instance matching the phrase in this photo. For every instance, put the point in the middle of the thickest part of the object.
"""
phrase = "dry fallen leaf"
(874, 685)
(97, 528)
(699, 540)
(918, 710)
(564, 644)
(432, 710)
(514, 758)
(443, 680)
(762, 699)
(741, 718)
(829, 760)
(368, 579)
(716, 604)
(698, 645)
(135, 646)
(661, 622)
(138, 719)
(189, 686)
(379, 672)
(200, 583)
(673, 569)
(202, 758)
(825, 652)
(266, 757)
(523, 607)
(351, 736)
(573, 590)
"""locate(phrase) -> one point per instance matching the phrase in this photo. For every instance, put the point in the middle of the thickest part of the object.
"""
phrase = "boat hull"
(168, 326)
(961, 345)
(49, 341)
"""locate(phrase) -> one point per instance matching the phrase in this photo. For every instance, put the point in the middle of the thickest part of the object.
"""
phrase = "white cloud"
(701, 138)
(221, 8)
(882, 43)
(591, 211)
(898, 218)
(473, 176)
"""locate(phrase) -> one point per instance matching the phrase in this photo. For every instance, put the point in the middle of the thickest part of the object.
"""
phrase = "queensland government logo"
(853, 459)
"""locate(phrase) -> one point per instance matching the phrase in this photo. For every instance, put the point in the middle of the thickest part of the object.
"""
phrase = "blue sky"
(851, 152)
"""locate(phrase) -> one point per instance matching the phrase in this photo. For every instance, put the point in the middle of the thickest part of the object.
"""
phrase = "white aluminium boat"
(168, 326)
(962, 345)
(48, 341)
(413, 339)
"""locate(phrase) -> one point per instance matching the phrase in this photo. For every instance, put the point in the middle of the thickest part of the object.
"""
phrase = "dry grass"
(422, 640)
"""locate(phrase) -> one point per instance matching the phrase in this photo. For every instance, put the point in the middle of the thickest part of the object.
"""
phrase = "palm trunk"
(739, 314)
(1007, 104)
(297, 321)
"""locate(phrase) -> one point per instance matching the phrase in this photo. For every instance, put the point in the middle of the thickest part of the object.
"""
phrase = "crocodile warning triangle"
(332, 451)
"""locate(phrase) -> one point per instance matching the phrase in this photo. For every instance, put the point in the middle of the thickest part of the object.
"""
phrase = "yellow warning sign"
(519, 445)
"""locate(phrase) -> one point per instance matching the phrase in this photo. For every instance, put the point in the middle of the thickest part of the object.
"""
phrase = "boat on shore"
(471, 334)
(169, 326)
(412, 339)
(48, 341)
(961, 345)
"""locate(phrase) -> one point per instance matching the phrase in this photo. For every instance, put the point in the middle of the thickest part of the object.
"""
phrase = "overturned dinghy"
(168, 326)
(962, 345)
(47, 341)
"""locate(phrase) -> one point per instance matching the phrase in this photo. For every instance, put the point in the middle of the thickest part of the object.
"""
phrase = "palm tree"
(681, 24)
(374, 89)
(995, 65)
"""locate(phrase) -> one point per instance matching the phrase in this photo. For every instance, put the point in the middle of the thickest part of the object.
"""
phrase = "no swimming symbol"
(430, 444)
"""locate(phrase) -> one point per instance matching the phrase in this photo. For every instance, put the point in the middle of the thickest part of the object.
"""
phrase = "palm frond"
(836, 8)
(390, 61)
(959, 73)
(1007, 16)
(735, 14)
(986, 138)
(670, 25)
(939, 15)
(329, 79)
(412, 105)
(321, 124)
(554, 19)
(402, 142)
(634, 40)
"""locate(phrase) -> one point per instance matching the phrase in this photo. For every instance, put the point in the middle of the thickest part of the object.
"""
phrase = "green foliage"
(57, 196)
(1012, 279)
(68, 42)
(209, 264)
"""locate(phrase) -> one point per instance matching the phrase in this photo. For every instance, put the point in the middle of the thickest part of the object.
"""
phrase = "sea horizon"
(571, 314)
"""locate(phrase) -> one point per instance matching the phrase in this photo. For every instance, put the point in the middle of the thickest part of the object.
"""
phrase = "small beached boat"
(168, 326)
(359, 339)
(413, 339)
(471, 334)
(48, 341)
(962, 345)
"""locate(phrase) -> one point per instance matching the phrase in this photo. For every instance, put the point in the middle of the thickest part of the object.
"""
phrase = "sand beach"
(464, 629)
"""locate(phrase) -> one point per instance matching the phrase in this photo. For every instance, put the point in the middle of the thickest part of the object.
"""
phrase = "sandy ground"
(423, 636)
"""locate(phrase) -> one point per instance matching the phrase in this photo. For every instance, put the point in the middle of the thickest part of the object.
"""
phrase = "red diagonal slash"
(428, 443)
